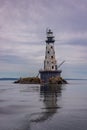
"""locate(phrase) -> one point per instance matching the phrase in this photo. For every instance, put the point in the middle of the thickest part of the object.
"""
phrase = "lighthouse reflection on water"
(49, 95)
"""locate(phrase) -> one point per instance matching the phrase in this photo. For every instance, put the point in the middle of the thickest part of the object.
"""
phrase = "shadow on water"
(49, 96)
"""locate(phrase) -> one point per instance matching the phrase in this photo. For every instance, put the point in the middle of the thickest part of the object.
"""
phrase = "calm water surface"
(32, 107)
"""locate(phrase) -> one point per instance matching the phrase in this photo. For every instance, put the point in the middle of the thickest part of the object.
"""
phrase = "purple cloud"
(22, 30)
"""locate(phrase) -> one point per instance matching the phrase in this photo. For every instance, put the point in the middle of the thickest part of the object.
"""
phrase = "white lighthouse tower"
(50, 64)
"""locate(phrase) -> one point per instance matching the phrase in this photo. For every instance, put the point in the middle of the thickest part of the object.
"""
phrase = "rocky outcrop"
(36, 80)
(57, 80)
(28, 80)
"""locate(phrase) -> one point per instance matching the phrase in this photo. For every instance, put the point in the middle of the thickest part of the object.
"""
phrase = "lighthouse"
(50, 63)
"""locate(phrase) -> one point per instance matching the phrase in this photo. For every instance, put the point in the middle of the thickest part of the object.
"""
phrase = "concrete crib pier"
(46, 75)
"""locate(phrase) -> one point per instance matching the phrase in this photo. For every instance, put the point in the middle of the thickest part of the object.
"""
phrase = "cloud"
(23, 25)
(74, 55)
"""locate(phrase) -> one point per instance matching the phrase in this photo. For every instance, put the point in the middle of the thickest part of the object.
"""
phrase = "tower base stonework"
(46, 75)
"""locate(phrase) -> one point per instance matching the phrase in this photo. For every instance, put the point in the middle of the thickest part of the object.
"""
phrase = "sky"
(23, 26)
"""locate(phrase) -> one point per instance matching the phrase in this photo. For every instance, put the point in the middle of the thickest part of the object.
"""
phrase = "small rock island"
(36, 80)
(51, 73)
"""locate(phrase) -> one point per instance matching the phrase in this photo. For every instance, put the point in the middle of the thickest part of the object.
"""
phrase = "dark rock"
(57, 80)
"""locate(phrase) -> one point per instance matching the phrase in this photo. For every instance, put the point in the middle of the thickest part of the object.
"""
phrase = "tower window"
(52, 67)
(48, 52)
(51, 47)
(52, 57)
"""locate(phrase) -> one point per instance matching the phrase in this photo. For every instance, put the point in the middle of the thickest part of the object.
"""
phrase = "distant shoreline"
(8, 78)
(74, 79)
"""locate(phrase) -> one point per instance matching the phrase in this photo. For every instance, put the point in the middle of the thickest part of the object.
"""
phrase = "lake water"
(31, 107)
